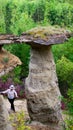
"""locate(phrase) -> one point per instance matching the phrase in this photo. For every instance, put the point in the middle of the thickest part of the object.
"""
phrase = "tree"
(65, 74)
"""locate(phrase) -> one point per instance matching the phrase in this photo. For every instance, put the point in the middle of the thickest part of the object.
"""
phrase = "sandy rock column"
(43, 95)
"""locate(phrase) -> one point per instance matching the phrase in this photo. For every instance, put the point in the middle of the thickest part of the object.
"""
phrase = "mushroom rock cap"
(39, 36)
(8, 39)
(8, 62)
(45, 36)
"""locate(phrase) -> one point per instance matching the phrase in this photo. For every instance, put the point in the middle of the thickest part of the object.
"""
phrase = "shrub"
(70, 101)
(5, 60)
(69, 123)
(18, 121)
(65, 49)
(64, 72)
(69, 105)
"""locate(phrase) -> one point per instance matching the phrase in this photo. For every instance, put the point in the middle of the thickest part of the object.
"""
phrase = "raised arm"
(3, 92)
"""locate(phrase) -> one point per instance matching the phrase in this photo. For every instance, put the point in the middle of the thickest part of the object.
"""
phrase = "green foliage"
(39, 11)
(64, 72)
(19, 19)
(18, 16)
(2, 16)
(5, 60)
(5, 77)
(21, 92)
(18, 121)
(65, 49)
(69, 123)
(17, 80)
(70, 100)
(8, 16)
(69, 104)
(17, 71)
(62, 14)
(23, 52)
(16, 75)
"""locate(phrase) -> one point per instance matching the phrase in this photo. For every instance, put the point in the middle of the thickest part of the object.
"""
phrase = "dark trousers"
(12, 104)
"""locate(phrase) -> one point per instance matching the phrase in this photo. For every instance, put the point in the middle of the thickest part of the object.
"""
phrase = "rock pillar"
(43, 95)
(4, 117)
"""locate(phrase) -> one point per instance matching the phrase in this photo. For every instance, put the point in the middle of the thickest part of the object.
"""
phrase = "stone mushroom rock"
(42, 91)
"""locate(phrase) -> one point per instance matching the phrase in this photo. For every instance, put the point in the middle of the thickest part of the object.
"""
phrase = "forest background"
(17, 16)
